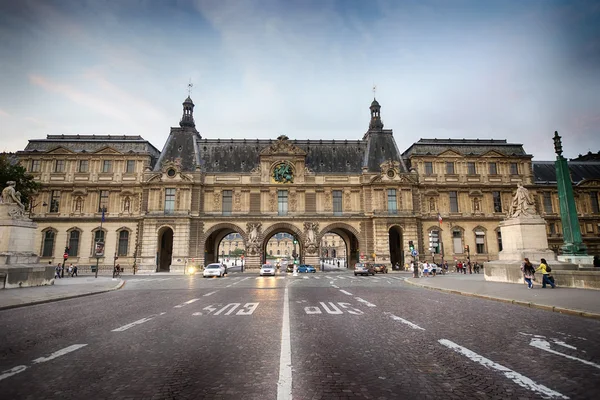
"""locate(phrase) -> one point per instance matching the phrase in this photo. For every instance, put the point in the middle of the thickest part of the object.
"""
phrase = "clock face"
(391, 173)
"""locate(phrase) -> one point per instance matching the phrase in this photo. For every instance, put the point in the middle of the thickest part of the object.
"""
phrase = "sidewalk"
(62, 289)
(581, 302)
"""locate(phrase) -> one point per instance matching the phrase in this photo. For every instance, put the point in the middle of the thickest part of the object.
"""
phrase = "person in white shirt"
(426, 269)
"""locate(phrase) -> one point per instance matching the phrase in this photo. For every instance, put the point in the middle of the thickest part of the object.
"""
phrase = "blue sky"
(515, 70)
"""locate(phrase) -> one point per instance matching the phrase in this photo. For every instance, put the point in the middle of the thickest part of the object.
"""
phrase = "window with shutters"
(547, 199)
(392, 201)
(493, 168)
(255, 203)
(35, 166)
(227, 202)
(480, 241)
(84, 165)
(471, 170)
(130, 167)
(453, 201)
(311, 202)
(169, 201)
(428, 168)
(337, 202)
(282, 202)
(514, 169)
(59, 166)
(450, 168)
(497, 197)
(106, 166)
(74, 243)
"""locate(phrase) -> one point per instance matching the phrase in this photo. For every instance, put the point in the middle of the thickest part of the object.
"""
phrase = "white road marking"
(316, 277)
(519, 379)
(335, 286)
(331, 282)
(312, 310)
(186, 303)
(197, 313)
(334, 310)
(545, 345)
(350, 309)
(365, 302)
(249, 309)
(404, 321)
(13, 371)
(131, 325)
(305, 277)
(59, 353)
(233, 306)
(348, 293)
(284, 384)
(352, 277)
(208, 294)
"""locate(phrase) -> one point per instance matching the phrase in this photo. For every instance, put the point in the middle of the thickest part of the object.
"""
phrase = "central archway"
(292, 232)
(396, 249)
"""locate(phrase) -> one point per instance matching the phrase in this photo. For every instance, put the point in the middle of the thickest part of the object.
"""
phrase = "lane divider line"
(284, 384)
(519, 379)
(345, 292)
(186, 303)
(545, 345)
(13, 371)
(134, 323)
(404, 321)
(208, 294)
(365, 302)
(20, 368)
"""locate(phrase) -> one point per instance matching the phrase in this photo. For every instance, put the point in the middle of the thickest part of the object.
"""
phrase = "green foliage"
(11, 170)
(237, 252)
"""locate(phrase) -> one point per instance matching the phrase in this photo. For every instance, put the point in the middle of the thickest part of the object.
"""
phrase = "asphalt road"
(315, 336)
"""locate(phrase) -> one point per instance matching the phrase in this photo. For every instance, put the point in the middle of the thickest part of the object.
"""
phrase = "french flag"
(439, 218)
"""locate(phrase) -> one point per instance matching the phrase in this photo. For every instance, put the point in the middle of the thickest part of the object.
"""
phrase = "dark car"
(380, 268)
(364, 269)
(289, 268)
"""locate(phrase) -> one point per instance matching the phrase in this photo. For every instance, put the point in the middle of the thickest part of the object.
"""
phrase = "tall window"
(480, 242)
(457, 242)
(226, 206)
(552, 228)
(84, 166)
(130, 167)
(514, 169)
(499, 239)
(123, 243)
(453, 201)
(450, 168)
(98, 236)
(282, 202)
(106, 166)
(493, 168)
(547, 196)
(392, 202)
(74, 243)
(103, 202)
(59, 166)
(169, 201)
(48, 245)
(497, 202)
(337, 202)
(594, 201)
(471, 170)
(428, 168)
(55, 201)
(35, 165)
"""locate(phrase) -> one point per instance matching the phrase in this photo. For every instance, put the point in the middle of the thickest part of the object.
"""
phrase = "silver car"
(214, 269)
(267, 269)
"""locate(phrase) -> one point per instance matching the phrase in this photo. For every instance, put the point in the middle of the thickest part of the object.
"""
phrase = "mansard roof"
(92, 143)
(544, 172)
(465, 147)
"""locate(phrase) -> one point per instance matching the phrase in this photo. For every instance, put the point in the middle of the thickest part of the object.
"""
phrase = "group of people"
(59, 271)
(463, 267)
(529, 273)
(432, 269)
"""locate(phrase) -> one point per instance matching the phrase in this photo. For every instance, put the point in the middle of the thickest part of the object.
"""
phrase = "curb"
(36, 302)
(560, 310)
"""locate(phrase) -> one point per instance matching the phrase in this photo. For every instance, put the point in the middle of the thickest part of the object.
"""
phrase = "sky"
(514, 70)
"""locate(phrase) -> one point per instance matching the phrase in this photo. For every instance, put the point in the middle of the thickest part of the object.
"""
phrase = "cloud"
(4, 113)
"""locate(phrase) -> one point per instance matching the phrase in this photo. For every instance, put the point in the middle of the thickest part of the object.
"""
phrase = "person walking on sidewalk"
(528, 272)
(57, 271)
(415, 269)
(545, 273)
(74, 271)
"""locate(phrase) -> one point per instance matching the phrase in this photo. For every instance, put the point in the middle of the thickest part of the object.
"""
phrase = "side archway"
(213, 237)
(164, 254)
(396, 239)
(350, 236)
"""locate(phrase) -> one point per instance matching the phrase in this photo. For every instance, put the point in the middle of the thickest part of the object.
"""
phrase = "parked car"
(380, 268)
(267, 269)
(306, 268)
(364, 269)
(214, 269)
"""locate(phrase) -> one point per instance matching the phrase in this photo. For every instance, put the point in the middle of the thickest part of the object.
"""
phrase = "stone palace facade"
(165, 210)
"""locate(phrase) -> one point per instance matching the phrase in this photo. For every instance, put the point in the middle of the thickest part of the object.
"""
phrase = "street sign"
(414, 253)
(66, 255)
(99, 251)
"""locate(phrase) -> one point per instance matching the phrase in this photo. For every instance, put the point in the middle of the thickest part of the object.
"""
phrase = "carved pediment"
(475, 193)
(493, 153)
(282, 147)
(107, 150)
(589, 183)
(449, 153)
(60, 150)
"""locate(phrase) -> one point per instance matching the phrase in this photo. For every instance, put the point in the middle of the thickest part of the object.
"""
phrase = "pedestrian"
(338, 263)
(57, 271)
(70, 270)
(545, 274)
(459, 267)
(470, 267)
(528, 272)
(433, 267)
(75, 270)
(415, 269)
(426, 269)
(446, 267)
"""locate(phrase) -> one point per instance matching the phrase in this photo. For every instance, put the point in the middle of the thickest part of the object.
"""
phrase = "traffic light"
(411, 245)
(295, 240)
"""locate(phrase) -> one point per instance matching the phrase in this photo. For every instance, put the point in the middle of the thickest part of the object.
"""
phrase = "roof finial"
(190, 85)
(374, 90)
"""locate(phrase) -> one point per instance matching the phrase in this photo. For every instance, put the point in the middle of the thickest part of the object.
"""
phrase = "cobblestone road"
(181, 337)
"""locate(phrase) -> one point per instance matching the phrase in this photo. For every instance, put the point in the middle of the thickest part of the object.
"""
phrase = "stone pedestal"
(582, 261)
(252, 263)
(313, 260)
(524, 237)
(19, 265)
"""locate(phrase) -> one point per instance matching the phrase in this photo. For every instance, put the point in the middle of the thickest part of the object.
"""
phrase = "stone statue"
(522, 204)
(10, 196)
(253, 237)
(310, 237)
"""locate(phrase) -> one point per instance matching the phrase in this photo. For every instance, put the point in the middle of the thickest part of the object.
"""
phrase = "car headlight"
(191, 270)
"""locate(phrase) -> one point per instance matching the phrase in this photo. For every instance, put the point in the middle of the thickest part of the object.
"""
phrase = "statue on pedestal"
(522, 204)
(252, 245)
(12, 197)
(310, 234)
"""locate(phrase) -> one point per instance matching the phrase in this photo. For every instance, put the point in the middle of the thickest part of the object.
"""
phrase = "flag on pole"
(102, 214)
(439, 218)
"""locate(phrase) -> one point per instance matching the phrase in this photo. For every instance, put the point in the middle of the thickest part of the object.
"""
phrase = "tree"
(237, 252)
(11, 170)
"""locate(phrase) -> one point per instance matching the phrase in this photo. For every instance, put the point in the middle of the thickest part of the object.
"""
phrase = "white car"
(214, 269)
(267, 269)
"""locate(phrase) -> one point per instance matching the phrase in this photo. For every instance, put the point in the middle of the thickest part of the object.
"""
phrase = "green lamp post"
(572, 241)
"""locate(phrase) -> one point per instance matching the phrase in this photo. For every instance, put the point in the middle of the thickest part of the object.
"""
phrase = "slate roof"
(544, 172)
(466, 147)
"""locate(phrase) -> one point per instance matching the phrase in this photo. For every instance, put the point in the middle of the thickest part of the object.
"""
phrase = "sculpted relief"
(311, 230)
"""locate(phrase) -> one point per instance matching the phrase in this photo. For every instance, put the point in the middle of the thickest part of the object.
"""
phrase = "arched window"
(48, 243)
(270, 252)
(123, 246)
(457, 241)
(99, 236)
(480, 247)
(73, 244)
(278, 252)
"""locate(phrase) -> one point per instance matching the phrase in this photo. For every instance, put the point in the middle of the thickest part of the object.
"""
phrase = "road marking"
(350, 309)
(284, 384)
(235, 283)
(404, 321)
(334, 310)
(186, 303)
(365, 302)
(348, 293)
(305, 277)
(545, 345)
(316, 277)
(352, 277)
(59, 353)
(250, 307)
(208, 294)
(312, 310)
(131, 325)
(13, 371)
(335, 286)
(519, 379)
